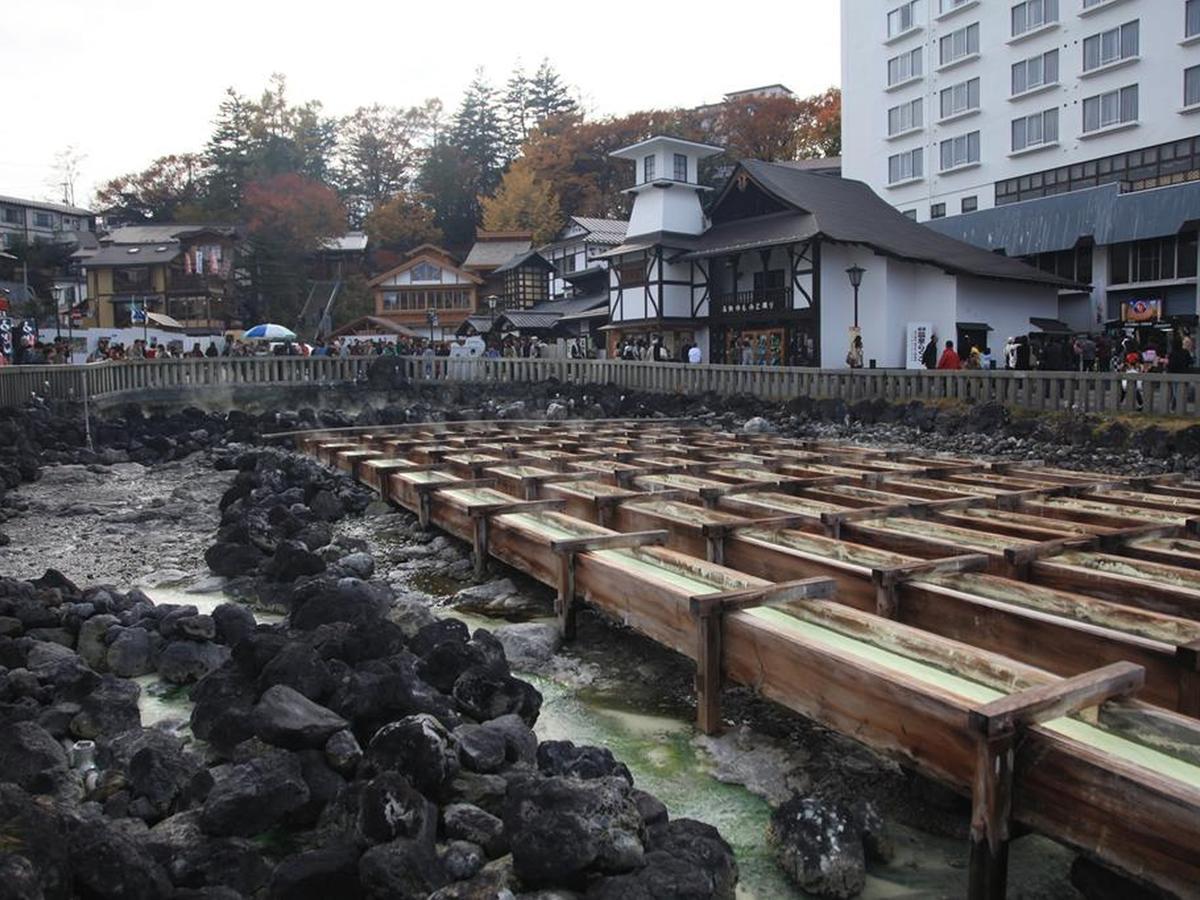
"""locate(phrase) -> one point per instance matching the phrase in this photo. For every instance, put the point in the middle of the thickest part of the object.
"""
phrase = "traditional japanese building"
(185, 272)
(429, 294)
(575, 250)
(765, 278)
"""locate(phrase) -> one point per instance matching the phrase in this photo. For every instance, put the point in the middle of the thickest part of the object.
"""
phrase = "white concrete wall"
(865, 101)
(671, 208)
(1006, 306)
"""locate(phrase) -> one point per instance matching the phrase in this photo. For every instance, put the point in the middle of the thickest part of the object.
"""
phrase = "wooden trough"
(1032, 640)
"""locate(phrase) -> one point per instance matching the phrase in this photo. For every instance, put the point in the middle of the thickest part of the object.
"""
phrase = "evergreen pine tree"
(229, 152)
(477, 131)
(548, 96)
(516, 111)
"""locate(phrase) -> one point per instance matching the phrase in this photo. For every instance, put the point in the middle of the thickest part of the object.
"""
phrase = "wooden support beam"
(1019, 559)
(709, 610)
(568, 548)
(887, 581)
(997, 726)
(1188, 657)
(1056, 699)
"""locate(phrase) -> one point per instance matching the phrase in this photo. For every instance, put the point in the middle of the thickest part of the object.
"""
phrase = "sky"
(125, 81)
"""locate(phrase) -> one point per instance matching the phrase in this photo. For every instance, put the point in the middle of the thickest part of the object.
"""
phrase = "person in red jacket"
(949, 358)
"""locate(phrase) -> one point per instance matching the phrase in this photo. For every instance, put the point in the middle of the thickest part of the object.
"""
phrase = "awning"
(163, 320)
(974, 326)
(1051, 326)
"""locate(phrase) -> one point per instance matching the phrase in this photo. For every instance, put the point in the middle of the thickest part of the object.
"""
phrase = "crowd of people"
(1173, 352)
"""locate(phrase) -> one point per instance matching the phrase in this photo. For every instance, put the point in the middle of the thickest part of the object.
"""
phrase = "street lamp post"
(855, 274)
(432, 316)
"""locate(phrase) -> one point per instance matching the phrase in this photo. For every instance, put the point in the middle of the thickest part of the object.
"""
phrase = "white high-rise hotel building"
(1063, 131)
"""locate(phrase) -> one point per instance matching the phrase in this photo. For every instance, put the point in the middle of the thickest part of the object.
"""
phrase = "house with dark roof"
(185, 272)
(576, 249)
(765, 276)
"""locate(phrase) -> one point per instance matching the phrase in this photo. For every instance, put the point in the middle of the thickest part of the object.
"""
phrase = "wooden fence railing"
(1106, 392)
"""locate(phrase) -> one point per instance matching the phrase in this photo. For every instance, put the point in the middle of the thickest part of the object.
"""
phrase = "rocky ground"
(142, 508)
(126, 524)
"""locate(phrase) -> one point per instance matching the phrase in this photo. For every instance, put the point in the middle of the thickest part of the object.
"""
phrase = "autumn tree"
(287, 217)
(820, 128)
(523, 203)
(573, 157)
(170, 189)
(402, 223)
(379, 153)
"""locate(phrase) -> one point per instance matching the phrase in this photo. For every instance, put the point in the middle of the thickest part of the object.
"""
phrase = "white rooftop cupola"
(666, 192)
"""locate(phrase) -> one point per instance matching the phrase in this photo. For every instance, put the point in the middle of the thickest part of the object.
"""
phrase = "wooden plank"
(1052, 701)
(608, 542)
(485, 510)
(745, 598)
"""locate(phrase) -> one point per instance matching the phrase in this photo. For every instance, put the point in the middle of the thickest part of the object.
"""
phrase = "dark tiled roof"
(602, 231)
(529, 258)
(850, 212)
(1057, 223)
(117, 255)
(158, 234)
(496, 253)
(528, 318)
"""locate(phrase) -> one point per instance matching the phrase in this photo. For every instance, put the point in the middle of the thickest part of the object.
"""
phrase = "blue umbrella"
(269, 332)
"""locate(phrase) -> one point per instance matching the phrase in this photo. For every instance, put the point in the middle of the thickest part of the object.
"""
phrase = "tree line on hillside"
(522, 156)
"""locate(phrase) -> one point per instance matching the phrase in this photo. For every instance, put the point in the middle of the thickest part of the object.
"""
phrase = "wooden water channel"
(1025, 634)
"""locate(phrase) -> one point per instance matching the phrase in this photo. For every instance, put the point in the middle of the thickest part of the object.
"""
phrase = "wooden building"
(182, 271)
(429, 281)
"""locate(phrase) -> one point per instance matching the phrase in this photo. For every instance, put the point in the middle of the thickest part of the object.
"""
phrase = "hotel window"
(1035, 72)
(959, 44)
(906, 166)
(937, 211)
(1033, 14)
(905, 66)
(970, 204)
(648, 168)
(390, 300)
(1030, 131)
(1191, 86)
(1157, 259)
(950, 5)
(960, 98)
(1110, 46)
(12, 216)
(901, 19)
(41, 220)
(1191, 24)
(1110, 108)
(906, 117)
(960, 151)
(681, 167)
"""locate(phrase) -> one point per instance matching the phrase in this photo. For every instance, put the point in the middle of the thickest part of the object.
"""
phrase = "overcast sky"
(125, 81)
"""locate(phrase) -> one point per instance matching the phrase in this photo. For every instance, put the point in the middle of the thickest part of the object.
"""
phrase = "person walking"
(929, 359)
(693, 354)
(854, 356)
(949, 359)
